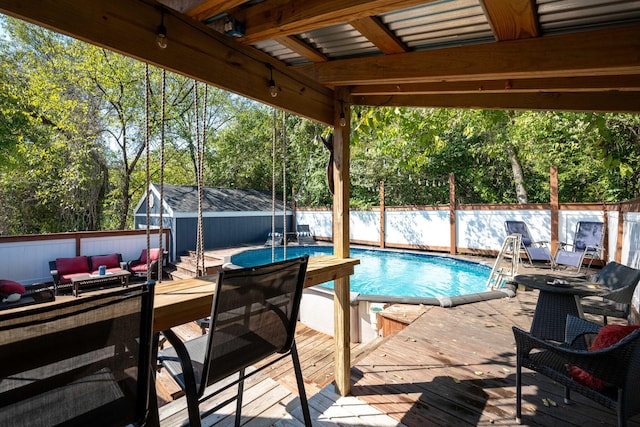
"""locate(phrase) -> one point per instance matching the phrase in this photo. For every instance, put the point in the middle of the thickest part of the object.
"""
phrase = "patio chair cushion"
(8, 287)
(110, 261)
(607, 336)
(155, 253)
(78, 264)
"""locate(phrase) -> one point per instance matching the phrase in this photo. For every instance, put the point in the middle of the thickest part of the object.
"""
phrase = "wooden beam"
(341, 288)
(378, 34)
(614, 102)
(596, 53)
(129, 27)
(560, 84)
(302, 49)
(278, 18)
(511, 20)
(210, 8)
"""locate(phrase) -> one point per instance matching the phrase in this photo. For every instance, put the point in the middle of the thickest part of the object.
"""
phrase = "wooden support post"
(605, 230)
(341, 300)
(619, 240)
(453, 245)
(383, 215)
(555, 207)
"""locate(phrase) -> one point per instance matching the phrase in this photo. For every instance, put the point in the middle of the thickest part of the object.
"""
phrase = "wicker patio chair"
(622, 281)
(138, 267)
(253, 316)
(83, 362)
(618, 366)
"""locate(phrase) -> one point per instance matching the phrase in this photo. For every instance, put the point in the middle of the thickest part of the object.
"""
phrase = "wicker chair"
(138, 267)
(617, 365)
(622, 282)
(253, 316)
(78, 363)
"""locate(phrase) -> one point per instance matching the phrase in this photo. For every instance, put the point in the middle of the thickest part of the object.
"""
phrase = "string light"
(273, 90)
(343, 120)
(161, 37)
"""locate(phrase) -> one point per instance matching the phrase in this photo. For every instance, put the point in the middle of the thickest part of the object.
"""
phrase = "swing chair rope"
(273, 185)
(199, 239)
(284, 182)
(162, 140)
(146, 148)
(203, 139)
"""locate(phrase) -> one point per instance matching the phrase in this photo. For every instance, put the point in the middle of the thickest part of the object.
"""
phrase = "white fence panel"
(413, 227)
(484, 229)
(28, 262)
(320, 222)
(364, 225)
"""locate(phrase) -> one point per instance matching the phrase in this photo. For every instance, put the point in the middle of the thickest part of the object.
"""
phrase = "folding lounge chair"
(275, 238)
(587, 244)
(535, 250)
(304, 235)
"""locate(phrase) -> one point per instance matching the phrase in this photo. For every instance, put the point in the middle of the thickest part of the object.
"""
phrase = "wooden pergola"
(323, 56)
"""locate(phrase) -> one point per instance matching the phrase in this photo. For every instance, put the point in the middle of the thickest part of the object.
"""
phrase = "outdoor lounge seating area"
(65, 270)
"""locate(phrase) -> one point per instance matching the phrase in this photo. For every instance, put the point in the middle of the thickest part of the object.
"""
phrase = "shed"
(230, 216)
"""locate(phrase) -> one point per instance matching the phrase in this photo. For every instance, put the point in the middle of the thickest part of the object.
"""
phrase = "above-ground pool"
(390, 276)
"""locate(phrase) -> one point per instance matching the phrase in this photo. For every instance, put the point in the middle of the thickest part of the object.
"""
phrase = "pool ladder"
(510, 247)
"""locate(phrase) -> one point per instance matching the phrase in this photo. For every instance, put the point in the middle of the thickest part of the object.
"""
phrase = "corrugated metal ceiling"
(446, 23)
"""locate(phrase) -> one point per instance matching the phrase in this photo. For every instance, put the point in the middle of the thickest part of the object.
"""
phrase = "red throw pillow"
(77, 264)
(111, 261)
(607, 336)
(8, 287)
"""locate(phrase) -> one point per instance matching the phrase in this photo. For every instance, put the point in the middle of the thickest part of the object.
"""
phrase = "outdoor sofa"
(64, 269)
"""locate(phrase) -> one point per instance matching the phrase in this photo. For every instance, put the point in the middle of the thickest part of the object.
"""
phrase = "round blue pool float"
(389, 276)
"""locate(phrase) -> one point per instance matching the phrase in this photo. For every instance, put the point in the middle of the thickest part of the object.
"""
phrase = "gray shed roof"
(184, 198)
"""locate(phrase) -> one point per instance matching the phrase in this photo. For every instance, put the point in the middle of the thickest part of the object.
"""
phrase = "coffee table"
(556, 301)
(117, 276)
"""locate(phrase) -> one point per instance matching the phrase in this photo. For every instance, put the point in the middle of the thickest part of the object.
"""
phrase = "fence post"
(382, 215)
(555, 207)
(453, 249)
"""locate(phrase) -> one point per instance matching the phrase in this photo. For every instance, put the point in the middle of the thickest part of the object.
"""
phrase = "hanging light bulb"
(161, 37)
(343, 120)
(273, 89)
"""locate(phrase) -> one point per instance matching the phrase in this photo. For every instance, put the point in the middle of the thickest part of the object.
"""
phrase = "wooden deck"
(451, 367)
(456, 366)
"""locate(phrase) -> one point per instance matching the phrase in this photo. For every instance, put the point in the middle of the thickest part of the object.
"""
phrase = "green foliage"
(73, 123)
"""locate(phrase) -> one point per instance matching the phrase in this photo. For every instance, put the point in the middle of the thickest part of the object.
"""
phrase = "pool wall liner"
(509, 290)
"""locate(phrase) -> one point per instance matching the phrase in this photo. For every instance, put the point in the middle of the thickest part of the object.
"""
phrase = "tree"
(56, 163)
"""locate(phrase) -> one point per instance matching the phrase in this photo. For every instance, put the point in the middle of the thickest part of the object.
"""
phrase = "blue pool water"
(392, 273)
